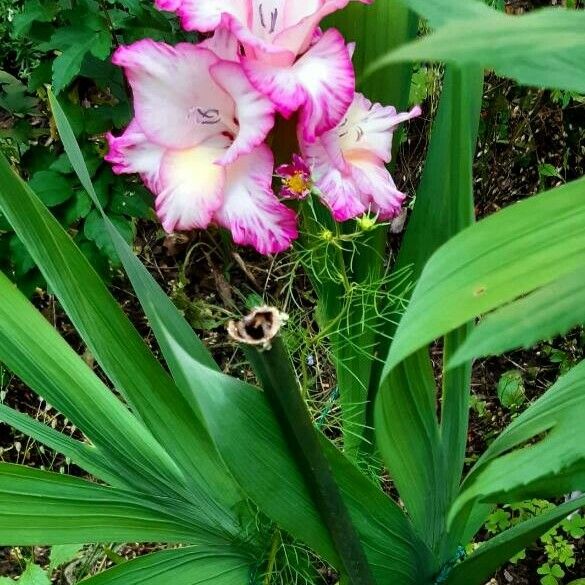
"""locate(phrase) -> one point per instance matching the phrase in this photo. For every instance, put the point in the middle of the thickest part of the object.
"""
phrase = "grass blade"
(406, 421)
(37, 507)
(544, 48)
(184, 566)
(551, 310)
(35, 352)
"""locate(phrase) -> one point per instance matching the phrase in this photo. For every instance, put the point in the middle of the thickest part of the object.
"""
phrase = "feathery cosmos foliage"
(187, 455)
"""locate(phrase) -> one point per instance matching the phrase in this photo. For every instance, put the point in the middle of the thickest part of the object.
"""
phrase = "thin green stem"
(110, 22)
(276, 542)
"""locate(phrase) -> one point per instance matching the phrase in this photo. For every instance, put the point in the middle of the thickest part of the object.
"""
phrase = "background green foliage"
(558, 544)
(68, 44)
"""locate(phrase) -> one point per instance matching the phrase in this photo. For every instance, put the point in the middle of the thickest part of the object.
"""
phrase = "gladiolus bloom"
(285, 55)
(348, 163)
(197, 141)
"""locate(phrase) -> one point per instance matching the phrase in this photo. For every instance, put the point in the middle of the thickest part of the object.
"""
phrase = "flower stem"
(277, 376)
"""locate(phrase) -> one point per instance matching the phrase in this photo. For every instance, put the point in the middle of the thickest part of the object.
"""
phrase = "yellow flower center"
(298, 183)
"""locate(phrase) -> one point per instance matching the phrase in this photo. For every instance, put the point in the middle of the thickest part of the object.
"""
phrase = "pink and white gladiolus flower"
(348, 163)
(197, 140)
(284, 54)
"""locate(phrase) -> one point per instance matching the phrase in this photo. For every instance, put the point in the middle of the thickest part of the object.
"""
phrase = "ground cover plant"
(230, 476)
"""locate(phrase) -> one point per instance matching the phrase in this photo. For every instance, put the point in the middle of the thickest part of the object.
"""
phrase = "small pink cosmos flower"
(296, 179)
(349, 162)
(284, 54)
(197, 142)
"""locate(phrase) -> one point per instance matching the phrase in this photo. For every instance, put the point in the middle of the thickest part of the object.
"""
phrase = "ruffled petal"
(301, 19)
(269, 20)
(327, 75)
(177, 103)
(251, 211)
(254, 112)
(279, 84)
(132, 152)
(191, 186)
(337, 188)
(223, 43)
(243, 18)
(321, 83)
(259, 46)
(376, 187)
(340, 194)
(168, 5)
(208, 15)
(370, 127)
(254, 23)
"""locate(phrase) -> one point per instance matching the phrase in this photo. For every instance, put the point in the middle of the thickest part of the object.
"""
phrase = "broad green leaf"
(13, 95)
(33, 11)
(408, 438)
(136, 203)
(548, 170)
(35, 352)
(543, 48)
(94, 229)
(270, 477)
(445, 206)
(62, 554)
(37, 507)
(215, 392)
(274, 370)
(468, 276)
(22, 260)
(183, 566)
(444, 199)
(406, 425)
(78, 207)
(476, 569)
(267, 472)
(34, 575)
(551, 310)
(115, 343)
(171, 415)
(52, 188)
(440, 12)
(511, 389)
(541, 454)
(365, 501)
(281, 493)
(78, 44)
